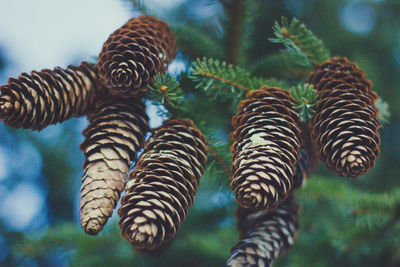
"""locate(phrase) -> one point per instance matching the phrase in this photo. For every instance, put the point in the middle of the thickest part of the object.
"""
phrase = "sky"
(47, 33)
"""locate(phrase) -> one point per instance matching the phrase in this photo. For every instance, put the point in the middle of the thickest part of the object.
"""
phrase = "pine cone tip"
(251, 199)
(92, 226)
(353, 165)
(142, 233)
(5, 108)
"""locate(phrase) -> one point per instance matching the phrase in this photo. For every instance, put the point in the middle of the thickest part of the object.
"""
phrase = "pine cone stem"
(115, 133)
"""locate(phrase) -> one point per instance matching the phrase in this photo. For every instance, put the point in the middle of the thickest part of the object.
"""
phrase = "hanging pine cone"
(134, 54)
(308, 158)
(115, 133)
(163, 185)
(42, 98)
(345, 131)
(264, 235)
(266, 143)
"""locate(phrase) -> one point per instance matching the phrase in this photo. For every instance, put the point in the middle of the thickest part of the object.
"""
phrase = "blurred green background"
(343, 222)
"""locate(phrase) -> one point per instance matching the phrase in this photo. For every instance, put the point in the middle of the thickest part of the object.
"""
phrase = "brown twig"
(219, 160)
(167, 103)
(215, 77)
(235, 11)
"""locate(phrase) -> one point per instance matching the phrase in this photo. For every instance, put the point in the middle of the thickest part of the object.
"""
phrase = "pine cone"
(163, 185)
(115, 133)
(134, 54)
(264, 235)
(308, 158)
(345, 131)
(266, 143)
(48, 97)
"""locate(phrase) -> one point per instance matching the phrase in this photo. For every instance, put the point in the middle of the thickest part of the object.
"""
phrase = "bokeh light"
(358, 18)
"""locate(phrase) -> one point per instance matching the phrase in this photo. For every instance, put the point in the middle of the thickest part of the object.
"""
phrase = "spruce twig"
(305, 98)
(300, 41)
(279, 65)
(140, 6)
(166, 90)
(379, 234)
(219, 79)
(196, 43)
(218, 158)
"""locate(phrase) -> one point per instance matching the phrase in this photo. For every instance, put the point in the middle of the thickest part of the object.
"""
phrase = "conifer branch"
(140, 6)
(300, 41)
(380, 233)
(234, 29)
(166, 90)
(195, 43)
(280, 65)
(305, 98)
(219, 160)
(219, 79)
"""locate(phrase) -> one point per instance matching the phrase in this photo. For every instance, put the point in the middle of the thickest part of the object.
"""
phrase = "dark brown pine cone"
(115, 133)
(266, 143)
(264, 235)
(134, 54)
(42, 98)
(345, 125)
(163, 185)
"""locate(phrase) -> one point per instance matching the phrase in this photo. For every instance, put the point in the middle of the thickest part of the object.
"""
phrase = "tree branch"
(235, 11)
(220, 161)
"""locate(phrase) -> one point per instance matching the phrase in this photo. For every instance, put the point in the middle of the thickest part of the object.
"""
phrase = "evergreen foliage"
(305, 97)
(300, 42)
(224, 81)
(165, 90)
(195, 43)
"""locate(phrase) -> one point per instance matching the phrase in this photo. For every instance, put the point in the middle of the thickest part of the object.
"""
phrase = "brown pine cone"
(163, 185)
(266, 143)
(345, 125)
(42, 98)
(115, 133)
(264, 235)
(134, 54)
